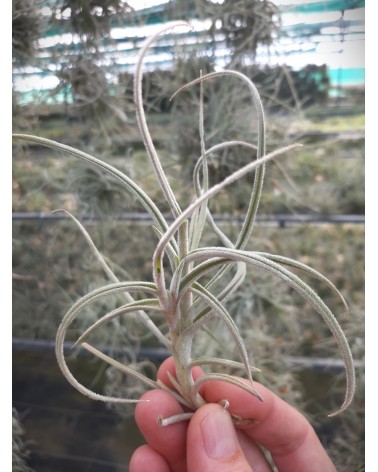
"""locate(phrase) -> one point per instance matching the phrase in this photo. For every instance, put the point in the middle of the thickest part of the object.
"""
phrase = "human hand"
(211, 442)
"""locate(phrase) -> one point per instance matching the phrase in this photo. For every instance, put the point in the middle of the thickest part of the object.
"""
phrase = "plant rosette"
(188, 303)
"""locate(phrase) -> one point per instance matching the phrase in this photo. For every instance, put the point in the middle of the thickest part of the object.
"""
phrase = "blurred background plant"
(20, 452)
(244, 25)
(27, 28)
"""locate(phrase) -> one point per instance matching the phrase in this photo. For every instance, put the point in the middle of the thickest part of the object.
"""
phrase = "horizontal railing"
(160, 354)
(281, 220)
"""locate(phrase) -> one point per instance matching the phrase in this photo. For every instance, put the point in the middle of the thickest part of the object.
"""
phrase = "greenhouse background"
(73, 66)
(324, 32)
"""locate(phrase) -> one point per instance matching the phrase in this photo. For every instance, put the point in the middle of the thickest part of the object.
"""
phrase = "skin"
(210, 440)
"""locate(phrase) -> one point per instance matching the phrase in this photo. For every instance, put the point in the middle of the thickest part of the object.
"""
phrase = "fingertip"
(241, 402)
(154, 404)
(212, 441)
(168, 366)
(274, 424)
(168, 441)
(146, 459)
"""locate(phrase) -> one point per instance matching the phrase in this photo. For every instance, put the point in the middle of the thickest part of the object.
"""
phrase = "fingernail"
(218, 434)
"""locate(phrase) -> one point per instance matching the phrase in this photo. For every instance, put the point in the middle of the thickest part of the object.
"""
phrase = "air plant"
(201, 279)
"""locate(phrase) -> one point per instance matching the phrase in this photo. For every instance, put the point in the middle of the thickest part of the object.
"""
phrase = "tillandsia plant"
(201, 279)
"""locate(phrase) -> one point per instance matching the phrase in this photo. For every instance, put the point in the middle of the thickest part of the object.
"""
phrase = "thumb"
(212, 443)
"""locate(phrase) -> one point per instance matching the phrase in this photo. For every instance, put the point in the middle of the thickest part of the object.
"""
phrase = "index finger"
(276, 425)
